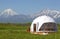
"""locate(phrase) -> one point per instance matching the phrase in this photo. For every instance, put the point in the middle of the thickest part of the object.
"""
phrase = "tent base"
(41, 33)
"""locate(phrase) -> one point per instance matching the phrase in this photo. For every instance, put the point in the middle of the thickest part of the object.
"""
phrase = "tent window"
(48, 27)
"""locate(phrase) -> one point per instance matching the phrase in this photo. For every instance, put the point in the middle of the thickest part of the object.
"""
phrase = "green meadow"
(19, 31)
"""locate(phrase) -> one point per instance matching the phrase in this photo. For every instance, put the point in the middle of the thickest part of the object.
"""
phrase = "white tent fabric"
(39, 21)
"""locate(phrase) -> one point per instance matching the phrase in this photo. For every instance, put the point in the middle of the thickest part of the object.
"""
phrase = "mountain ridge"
(9, 15)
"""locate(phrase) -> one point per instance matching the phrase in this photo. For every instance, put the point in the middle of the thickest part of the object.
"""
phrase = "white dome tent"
(43, 25)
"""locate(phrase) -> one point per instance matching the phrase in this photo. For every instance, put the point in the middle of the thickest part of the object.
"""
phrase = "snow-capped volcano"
(8, 12)
(52, 13)
(10, 16)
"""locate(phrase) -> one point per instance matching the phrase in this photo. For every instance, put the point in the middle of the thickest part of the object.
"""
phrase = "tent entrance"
(34, 28)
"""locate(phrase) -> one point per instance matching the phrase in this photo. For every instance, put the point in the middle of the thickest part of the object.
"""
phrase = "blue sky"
(29, 6)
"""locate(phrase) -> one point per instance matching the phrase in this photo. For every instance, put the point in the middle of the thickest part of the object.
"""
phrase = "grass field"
(18, 31)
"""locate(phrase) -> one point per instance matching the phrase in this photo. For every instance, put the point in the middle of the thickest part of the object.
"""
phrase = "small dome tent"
(43, 25)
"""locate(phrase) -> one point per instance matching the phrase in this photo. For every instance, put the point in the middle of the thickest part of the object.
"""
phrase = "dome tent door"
(34, 27)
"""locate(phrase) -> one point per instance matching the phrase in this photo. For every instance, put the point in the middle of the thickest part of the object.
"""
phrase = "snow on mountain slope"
(52, 13)
(8, 12)
(10, 16)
